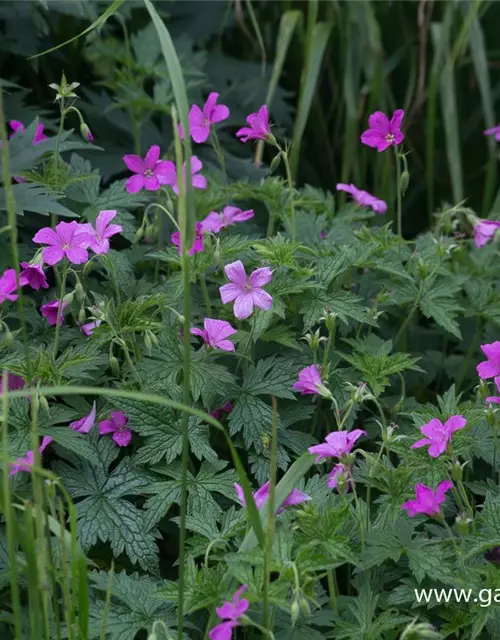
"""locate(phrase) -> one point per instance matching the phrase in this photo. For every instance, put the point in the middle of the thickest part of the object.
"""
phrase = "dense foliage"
(233, 404)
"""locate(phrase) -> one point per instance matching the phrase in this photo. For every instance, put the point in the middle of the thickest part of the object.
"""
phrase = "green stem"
(330, 342)
(290, 194)
(332, 591)
(474, 344)
(206, 297)
(271, 521)
(399, 213)
(360, 517)
(114, 279)
(59, 310)
(219, 153)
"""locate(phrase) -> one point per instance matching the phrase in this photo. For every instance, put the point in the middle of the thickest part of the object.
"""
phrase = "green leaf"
(344, 304)
(438, 302)
(36, 198)
(271, 376)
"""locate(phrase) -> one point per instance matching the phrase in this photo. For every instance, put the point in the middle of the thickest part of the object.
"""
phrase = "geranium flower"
(68, 239)
(259, 126)
(33, 275)
(340, 474)
(85, 424)
(310, 382)
(117, 425)
(49, 310)
(151, 172)
(197, 246)
(214, 222)
(227, 407)
(491, 367)
(13, 382)
(337, 444)
(198, 181)
(8, 284)
(215, 334)
(246, 291)
(261, 496)
(231, 612)
(98, 238)
(484, 230)
(494, 131)
(39, 136)
(383, 132)
(88, 328)
(438, 435)
(26, 463)
(200, 120)
(363, 198)
(427, 501)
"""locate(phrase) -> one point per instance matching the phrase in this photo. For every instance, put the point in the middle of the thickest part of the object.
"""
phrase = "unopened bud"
(152, 636)
(44, 405)
(9, 340)
(147, 342)
(294, 612)
(86, 132)
(138, 234)
(420, 631)
(404, 182)
(304, 605)
(462, 522)
(87, 268)
(456, 471)
(68, 298)
(114, 365)
(79, 291)
(181, 319)
(81, 316)
(275, 163)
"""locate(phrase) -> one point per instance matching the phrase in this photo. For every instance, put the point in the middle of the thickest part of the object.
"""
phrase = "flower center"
(389, 138)
(148, 173)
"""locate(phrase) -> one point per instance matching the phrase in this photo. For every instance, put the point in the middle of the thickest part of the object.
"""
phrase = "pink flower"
(122, 435)
(98, 238)
(88, 329)
(215, 334)
(8, 285)
(246, 291)
(68, 239)
(491, 367)
(439, 434)
(227, 407)
(13, 382)
(261, 496)
(198, 182)
(337, 444)
(25, 464)
(310, 382)
(427, 501)
(151, 172)
(49, 311)
(363, 198)
(382, 132)
(85, 424)
(33, 275)
(231, 612)
(214, 222)
(339, 474)
(484, 230)
(200, 120)
(39, 136)
(197, 246)
(495, 131)
(259, 126)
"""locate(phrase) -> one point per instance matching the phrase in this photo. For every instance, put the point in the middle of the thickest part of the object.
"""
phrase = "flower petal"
(152, 157)
(134, 163)
(235, 271)
(261, 299)
(261, 277)
(379, 122)
(135, 183)
(228, 292)
(243, 306)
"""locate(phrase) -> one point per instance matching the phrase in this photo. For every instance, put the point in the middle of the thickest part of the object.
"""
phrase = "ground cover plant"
(236, 405)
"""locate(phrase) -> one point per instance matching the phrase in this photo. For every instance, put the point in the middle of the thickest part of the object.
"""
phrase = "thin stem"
(114, 279)
(360, 517)
(59, 310)
(331, 590)
(399, 212)
(206, 297)
(290, 193)
(219, 153)
(270, 523)
(474, 344)
(330, 342)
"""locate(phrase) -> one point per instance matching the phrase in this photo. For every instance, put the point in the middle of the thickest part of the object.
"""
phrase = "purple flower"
(39, 136)
(427, 501)
(88, 328)
(363, 198)
(484, 230)
(214, 222)
(215, 334)
(49, 310)
(261, 496)
(227, 407)
(197, 246)
(33, 275)
(491, 367)
(337, 444)
(8, 284)
(259, 126)
(495, 131)
(200, 120)
(231, 612)
(25, 464)
(340, 474)
(382, 132)
(151, 172)
(68, 239)
(85, 424)
(198, 182)
(117, 425)
(246, 291)
(98, 238)
(310, 382)
(438, 435)
(13, 383)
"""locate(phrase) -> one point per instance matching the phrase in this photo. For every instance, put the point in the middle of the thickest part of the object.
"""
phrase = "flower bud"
(404, 182)
(294, 612)
(86, 132)
(152, 636)
(462, 522)
(79, 291)
(456, 471)
(87, 268)
(9, 340)
(114, 365)
(147, 342)
(81, 316)
(304, 605)
(44, 405)
(420, 631)
(181, 319)
(138, 234)
(68, 298)
(275, 163)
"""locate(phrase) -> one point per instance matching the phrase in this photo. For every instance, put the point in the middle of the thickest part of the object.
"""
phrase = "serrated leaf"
(271, 376)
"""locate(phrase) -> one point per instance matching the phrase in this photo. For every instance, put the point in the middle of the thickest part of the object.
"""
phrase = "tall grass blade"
(258, 35)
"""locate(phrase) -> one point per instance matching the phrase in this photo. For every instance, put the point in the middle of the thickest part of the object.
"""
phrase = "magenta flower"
(261, 496)
(26, 463)
(383, 132)
(336, 445)
(227, 407)
(427, 501)
(495, 131)
(484, 230)
(39, 136)
(151, 172)
(8, 284)
(198, 181)
(88, 328)
(68, 239)
(215, 334)
(259, 126)
(246, 291)
(49, 310)
(363, 198)
(197, 246)
(340, 474)
(310, 382)
(214, 222)
(98, 238)
(13, 382)
(200, 120)
(33, 275)
(85, 424)
(438, 435)
(491, 367)
(122, 435)
(231, 612)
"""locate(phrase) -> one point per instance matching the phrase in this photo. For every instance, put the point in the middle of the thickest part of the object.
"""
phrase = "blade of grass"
(271, 520)
(258, 35)
(29, 547)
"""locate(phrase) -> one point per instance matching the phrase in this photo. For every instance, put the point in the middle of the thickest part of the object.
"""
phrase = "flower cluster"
(116, 425)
